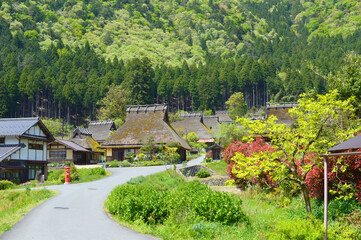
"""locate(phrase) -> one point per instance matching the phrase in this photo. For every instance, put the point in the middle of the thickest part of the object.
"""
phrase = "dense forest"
(59, 58)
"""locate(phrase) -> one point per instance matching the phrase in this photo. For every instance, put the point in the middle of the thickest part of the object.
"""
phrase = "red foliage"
(352, 175)
(247, 149)
(209, 154)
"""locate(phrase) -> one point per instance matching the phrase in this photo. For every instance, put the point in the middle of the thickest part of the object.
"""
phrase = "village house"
(23, 149)
(141, 123)
(193, 122)
(81, 148)
(280, 110)
(101, 130)
(223, 117)
(211, 122)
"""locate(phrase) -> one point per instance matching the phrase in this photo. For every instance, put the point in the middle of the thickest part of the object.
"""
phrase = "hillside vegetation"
(58, 58)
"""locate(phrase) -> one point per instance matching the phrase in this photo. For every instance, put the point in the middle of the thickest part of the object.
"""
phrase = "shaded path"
(77, 212)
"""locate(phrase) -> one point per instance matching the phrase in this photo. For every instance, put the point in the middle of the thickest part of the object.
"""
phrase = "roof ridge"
(25, 118)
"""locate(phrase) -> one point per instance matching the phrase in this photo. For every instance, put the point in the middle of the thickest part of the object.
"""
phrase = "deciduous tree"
(318, 126)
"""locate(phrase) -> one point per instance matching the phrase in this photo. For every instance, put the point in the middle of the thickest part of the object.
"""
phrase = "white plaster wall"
(11, 140)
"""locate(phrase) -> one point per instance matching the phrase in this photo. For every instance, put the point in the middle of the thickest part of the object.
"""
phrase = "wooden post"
(325, 211)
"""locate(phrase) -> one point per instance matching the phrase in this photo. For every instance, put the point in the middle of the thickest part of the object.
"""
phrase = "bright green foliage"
(228, 132)
(5, 184)
(113, 105)
(318, 126)
(348, 80)
(15, 204)
(57, 128)
(203, 173)
(148, 203)
(236, 105)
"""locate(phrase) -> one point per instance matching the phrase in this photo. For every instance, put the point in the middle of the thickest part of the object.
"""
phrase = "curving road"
(76, 213)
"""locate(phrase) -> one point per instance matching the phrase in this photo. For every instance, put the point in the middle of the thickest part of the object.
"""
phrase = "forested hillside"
(58, 58)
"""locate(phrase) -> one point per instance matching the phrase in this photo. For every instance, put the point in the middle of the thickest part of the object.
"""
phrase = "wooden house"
(23, 148)
(81, 148)
(143, 122)
(193, 122)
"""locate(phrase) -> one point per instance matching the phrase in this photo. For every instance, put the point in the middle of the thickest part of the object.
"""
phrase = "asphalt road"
(77, 213)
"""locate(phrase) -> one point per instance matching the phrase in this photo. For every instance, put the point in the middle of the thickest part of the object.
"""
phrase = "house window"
(36, 146)
(2, 140)
(57, 154)
(33, 170)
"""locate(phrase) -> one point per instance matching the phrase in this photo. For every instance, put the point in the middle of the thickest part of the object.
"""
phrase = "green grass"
(15, 204)
(86, 175)
(218, 166)
(270, 217)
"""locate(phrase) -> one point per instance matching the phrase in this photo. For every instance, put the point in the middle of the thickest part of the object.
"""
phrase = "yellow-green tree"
(236, 105)
(113, 105)
(318, 126)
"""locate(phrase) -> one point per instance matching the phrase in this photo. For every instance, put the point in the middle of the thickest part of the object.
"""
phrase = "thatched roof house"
(81, 148)
(101, 130)
(223, 117)
(280, 110)
(211, 122)
(142, 122)
(193, 122)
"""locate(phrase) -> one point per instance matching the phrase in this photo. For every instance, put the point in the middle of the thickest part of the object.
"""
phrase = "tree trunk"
(306, 197)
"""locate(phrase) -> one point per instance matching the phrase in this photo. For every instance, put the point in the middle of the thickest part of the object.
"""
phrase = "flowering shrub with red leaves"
(209, 154)
(340, 171)
(247, 149)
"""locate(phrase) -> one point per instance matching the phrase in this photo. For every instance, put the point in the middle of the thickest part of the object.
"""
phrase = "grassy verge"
(218, 166)
(56, 177)
(15, 204)
(269, 217)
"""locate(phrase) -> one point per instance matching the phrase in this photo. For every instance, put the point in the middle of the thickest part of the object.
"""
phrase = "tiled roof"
(101, 130)
(16, 126)
(353, 144)
(72, 145)
(82, 131)
(143, 122)
(19, 126)
(8, 149)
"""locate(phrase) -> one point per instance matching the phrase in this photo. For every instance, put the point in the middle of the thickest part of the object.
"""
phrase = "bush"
(203, 173)
(97, 171)
(125, 164)
(299, 229)
(5, 184)
(148, 203)
(74, 174)
(113, 164)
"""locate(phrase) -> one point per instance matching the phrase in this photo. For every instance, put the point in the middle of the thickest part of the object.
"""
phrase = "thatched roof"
(141, 123)
(101, 130)
(193, 123)
(211, 122)
(87, 142)
(281, 112)
(223, 116)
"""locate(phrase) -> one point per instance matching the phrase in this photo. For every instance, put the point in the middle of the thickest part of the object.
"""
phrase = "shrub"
(247, 149)
(97, 171)
(125, 164)
(299, 229)
(113, 164)
(203, 173)
(74, 174)
(137, 180)
(148, 203)
(5, 184)
(133, 202)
